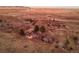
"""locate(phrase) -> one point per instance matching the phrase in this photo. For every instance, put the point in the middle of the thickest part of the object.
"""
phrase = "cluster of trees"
(41, 29)
(36, 29)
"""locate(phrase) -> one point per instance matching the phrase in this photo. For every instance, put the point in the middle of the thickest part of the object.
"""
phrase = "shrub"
(75, 39)
(36, 28)
(30, 20)
(42, 29)
(0, 20)
(22, 32)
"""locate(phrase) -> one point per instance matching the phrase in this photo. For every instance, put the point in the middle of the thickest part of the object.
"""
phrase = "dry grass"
(57, 37)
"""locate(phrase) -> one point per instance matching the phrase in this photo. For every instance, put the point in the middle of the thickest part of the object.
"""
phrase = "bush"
(75, 39)
(30, 20)
(22, 32)
(0, 20)
(36, 28)
(42, 29)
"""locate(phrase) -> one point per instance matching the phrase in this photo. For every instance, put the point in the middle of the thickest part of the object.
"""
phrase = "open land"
(39, 30)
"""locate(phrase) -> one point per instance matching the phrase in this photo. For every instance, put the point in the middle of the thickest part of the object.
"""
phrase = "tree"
(36, 28)
(42, 29)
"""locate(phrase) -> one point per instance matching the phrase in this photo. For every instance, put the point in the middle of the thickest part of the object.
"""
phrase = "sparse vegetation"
(66, 44)
(75, 39)
(42, 29)
(56, 46)
(29, 19)
(0, 20)
(36, 29)
(22, 32)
